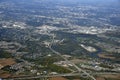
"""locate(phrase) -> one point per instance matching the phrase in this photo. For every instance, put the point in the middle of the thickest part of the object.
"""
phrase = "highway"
(57, 75)
(81, 72)
(43, 76)
(79, 69)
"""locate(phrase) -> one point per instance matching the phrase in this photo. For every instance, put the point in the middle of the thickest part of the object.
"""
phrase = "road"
(81, 72)
(43, 76)
(79, 69)
(57, 75)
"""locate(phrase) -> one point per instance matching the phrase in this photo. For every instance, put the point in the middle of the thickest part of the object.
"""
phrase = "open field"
(5, 62)
(58, 78)
(109, 77)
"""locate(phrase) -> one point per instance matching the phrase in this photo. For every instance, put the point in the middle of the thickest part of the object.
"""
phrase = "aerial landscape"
(59, 39)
